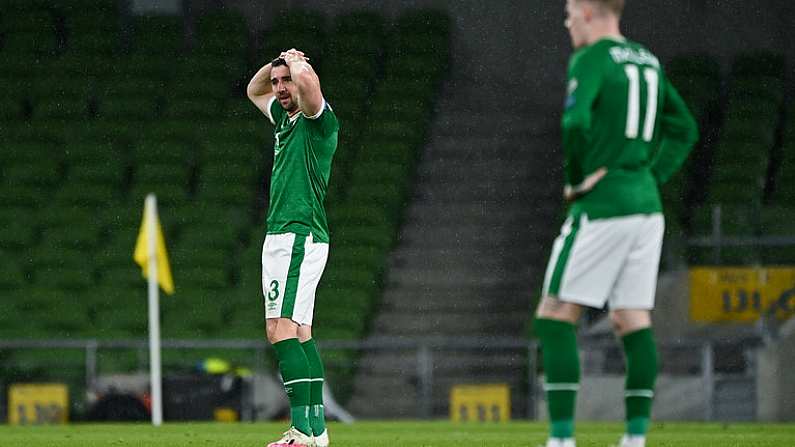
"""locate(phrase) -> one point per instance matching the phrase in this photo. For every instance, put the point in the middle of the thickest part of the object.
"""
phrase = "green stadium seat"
(243, 109)
(354, 214)
(166, 151)
(351, 236)
(387, 194)
(197, 108)
(80, 238)
(217, 152)
(17, 214)
(222, 32)
(11, 109)
(331, 315)
(230, 195)
(193, 256)
(220, 174)
(210, 236)
(369, 23)
(162, 173)
(61, 108)
(93, 31)
(195, 312)
(93, 66)
(208, 215)
(202, 278)
(127, 315)
(168, 195)
(76, 194)
(57, 216)
(12, 276)
(158, 35)
(43, 256)
(123, 221)
(111, 174)
(70, 279)
(127, 108)
(425, 21)
(45, 173)
(358, 256)
(98, 151)
(23, 196)
(123, 276)
(405, 109)
(39, 42)
(213, 86)
(374, 172)
(246, 321)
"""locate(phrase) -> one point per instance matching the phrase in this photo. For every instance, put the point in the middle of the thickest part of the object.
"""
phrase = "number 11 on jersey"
(633, 102)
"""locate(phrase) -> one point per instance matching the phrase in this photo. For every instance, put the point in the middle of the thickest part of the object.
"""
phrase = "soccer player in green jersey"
(295, 250)
(625, 132)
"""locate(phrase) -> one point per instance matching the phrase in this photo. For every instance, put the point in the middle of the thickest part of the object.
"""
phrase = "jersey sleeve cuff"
(317, 115)
(267, 110)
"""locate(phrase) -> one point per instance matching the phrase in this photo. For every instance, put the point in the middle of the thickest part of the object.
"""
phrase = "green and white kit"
(621, 114)
(296, 245)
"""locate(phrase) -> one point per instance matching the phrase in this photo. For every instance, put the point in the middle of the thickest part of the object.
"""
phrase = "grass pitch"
(391, 434)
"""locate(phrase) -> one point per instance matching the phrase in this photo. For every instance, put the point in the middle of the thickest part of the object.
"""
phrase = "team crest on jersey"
(570, 98)
(572, 86)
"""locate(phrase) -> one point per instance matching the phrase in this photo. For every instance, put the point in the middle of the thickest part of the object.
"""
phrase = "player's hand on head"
(293, 55)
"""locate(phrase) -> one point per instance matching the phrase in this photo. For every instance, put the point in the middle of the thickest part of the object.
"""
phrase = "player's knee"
(277, 330)
(626, 321)
(554, 309)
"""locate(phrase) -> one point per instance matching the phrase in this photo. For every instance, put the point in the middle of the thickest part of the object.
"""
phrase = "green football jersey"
(302, 154)
(623, 114)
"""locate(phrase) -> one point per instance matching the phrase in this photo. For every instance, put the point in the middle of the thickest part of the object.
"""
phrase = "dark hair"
(278, 62)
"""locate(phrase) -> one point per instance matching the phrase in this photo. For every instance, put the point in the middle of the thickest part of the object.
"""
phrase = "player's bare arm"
(310, 98)
(259, 89)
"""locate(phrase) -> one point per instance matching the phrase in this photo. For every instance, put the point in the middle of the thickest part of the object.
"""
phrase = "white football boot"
(632, 441)
(560, 442)
(321, 440)
(294, 438)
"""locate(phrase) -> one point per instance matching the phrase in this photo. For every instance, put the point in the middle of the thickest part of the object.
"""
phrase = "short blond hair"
(614, 6)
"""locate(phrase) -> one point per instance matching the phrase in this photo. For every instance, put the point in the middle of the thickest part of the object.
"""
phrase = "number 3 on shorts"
(273, 291)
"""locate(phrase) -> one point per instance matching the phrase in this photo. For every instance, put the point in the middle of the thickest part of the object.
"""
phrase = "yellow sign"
(480, 403)
(43, 403)
(741, 294)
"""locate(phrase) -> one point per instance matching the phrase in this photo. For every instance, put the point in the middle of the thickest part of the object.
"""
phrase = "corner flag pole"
(154, 313)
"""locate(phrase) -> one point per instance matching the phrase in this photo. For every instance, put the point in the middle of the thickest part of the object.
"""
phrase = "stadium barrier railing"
(694, 360)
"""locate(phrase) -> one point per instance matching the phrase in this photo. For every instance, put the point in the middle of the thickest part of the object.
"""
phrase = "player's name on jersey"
(623, 55)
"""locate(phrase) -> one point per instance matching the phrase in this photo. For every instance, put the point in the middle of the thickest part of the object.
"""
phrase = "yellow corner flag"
(142, 252)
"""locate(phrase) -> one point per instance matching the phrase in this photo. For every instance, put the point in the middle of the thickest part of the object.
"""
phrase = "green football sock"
(641, 355)
(317, 416)
(294, 367)
(562, 370)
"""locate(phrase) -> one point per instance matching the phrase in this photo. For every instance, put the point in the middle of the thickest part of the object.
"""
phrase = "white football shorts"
(292, 265)
(612, 260)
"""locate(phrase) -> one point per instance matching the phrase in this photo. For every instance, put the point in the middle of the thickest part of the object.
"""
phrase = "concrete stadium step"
(466, 324)
(451, 258)
(489, 239)
(476, 169)
(407, 299)
(445, 363)
(456, 212)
